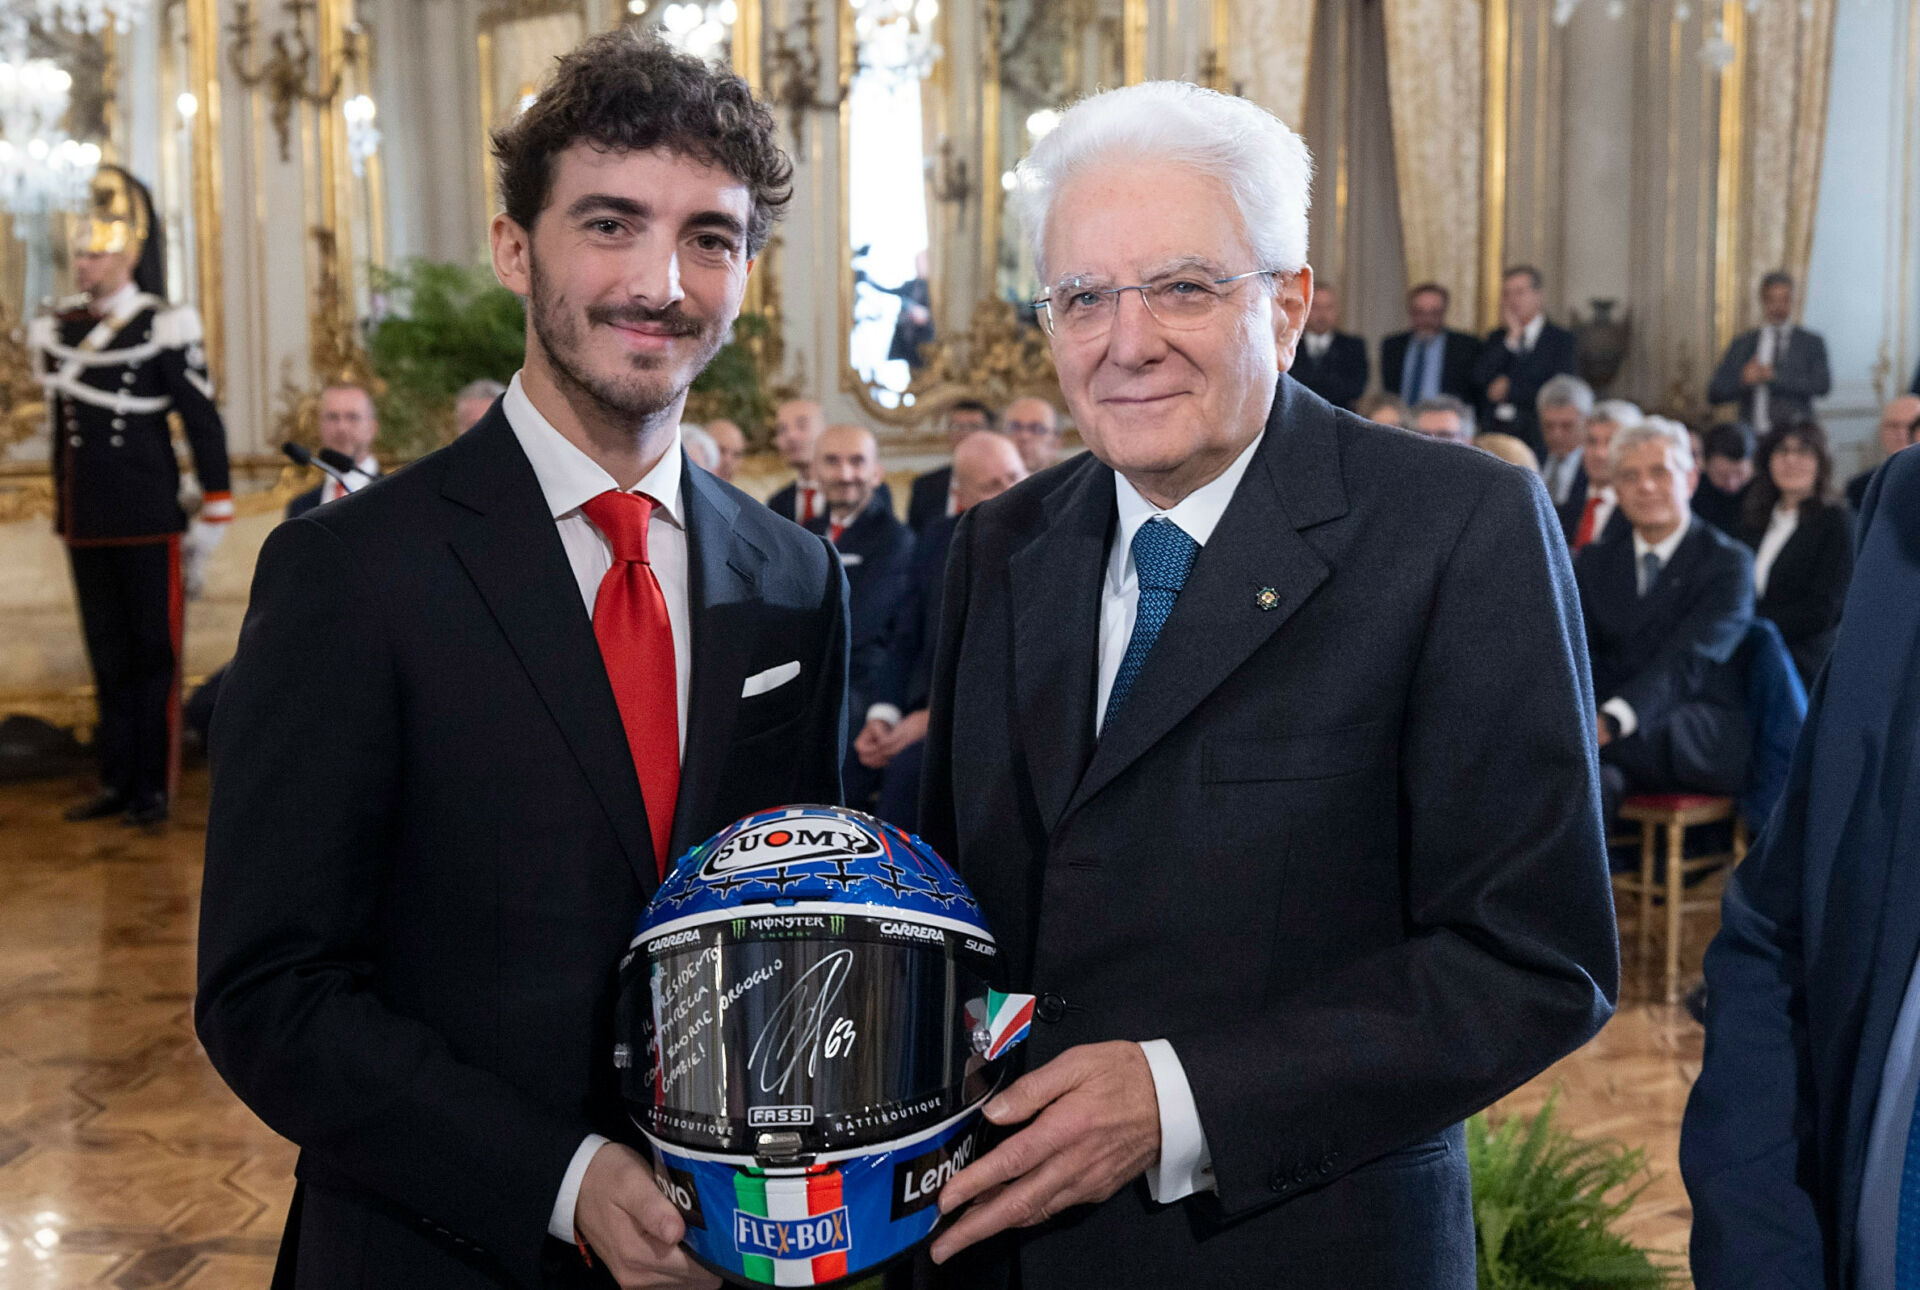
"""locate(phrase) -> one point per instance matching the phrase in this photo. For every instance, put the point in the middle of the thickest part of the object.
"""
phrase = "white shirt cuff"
(1620, 710)
(1185, 1166)
(886, 712)
(560, 1226)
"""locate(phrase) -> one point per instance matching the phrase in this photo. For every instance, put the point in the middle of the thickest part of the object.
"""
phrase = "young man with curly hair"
(419, 882)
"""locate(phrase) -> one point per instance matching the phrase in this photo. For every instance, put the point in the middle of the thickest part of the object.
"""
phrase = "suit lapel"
(512, 552)
(1219, 619)
(1056, 581)
(723, 595)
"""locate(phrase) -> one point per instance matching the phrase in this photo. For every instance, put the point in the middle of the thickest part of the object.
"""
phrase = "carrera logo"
(760, 1117)
(914, 932)
(677, 1186)
(792, 1238)
(791, 841)
(917, 1182)
(688, 937)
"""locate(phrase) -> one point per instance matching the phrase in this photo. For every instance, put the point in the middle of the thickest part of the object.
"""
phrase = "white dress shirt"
(1317, 343)
(1770, 349)
(1186, 1165)
(1779, 529)
(1616, 707)
(568, 479)
(363, 473)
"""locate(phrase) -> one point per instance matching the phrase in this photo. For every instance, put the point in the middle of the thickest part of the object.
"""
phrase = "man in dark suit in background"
(1521, 355)
(1331, 363)
(1899, 427)
(1429, 358)
(933, 497)
(986, 464)
(1564, 405)
(1797, 1132)
(552, 655)
(1666, 606)
(877, 550)
(348, 426)
(1299, 880)
(797, 425)
(1778, 369)
(1725, 476)
(1593, 513)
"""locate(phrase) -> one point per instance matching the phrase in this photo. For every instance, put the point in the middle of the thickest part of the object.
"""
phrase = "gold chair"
(1676, 813)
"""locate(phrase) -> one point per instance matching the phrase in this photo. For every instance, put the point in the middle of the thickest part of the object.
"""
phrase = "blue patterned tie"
(1162, 557)
(1906, 1241)
(1649, 573)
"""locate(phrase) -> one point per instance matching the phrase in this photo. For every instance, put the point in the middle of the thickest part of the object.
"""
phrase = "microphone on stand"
(321, 462)
(340, 462)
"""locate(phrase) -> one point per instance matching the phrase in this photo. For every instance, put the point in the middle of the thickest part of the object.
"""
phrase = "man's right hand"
(870, 745)
(632, 1228)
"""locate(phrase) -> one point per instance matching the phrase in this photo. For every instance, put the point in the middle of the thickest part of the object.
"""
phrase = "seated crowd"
(1681, 540)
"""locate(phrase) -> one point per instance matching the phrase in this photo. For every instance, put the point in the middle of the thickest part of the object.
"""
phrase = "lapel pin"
(1267, 598)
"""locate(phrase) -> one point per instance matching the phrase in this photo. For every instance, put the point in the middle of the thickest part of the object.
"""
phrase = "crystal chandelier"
(363, 136)
(896, 37)
(702, 30)
(41, 169)
(90, 16)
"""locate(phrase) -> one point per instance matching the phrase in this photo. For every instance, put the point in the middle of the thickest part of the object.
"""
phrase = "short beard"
(629, 397)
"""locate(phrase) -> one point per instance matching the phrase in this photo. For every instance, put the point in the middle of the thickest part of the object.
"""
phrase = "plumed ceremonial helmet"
(808, 1027)
(120, 216)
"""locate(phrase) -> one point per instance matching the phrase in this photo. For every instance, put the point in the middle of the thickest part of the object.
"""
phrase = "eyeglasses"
(1081, 309)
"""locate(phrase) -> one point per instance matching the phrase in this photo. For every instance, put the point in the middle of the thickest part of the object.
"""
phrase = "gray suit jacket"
(1800, 376)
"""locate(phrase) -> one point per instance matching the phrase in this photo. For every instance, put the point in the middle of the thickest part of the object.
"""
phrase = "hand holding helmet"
(808, 1027)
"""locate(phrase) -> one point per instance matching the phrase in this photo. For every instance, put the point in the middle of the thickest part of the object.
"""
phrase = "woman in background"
(1802, 540)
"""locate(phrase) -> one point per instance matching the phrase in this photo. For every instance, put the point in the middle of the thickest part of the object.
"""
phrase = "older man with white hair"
(1263, 735)
(1666, 606)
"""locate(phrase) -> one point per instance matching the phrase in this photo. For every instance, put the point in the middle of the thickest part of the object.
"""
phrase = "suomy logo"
(790, 841)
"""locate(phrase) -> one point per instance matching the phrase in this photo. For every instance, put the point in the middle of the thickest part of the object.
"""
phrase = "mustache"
(669, 320)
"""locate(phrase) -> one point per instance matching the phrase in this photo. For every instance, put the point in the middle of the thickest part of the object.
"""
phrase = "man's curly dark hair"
(623, 91)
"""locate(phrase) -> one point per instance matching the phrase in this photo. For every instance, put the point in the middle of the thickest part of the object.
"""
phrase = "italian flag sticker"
(792, 1230)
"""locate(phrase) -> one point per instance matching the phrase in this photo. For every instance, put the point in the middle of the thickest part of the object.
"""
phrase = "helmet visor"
(844, 1029)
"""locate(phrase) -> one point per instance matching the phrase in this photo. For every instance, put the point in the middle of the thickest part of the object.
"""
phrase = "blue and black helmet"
(808, 1029)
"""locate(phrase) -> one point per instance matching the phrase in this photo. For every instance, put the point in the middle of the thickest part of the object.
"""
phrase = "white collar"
(121, 304)
(569, 478)
(1530, 334)
(1197, 514)
(1667, 544)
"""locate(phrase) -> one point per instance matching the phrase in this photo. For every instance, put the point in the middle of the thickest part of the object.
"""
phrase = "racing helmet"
(807, 1029)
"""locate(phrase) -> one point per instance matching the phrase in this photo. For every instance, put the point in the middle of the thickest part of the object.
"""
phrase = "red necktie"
(636, 642)
(806, 502)
(1584, 534)
(834, 531)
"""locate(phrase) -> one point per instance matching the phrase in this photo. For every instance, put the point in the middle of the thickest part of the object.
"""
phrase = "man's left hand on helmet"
(1095, 1128)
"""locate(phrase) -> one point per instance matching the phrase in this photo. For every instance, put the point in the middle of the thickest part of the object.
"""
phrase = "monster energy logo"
(836, 923)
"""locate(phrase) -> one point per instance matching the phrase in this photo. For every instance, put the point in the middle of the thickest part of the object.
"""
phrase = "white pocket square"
(850, 558)
(771, 679)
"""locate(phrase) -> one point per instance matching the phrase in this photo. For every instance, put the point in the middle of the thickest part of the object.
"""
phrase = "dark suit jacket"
(783, 502)
(420, 879)
(1340, 375)
(1577, 505)
(1807, 587)
(1819, 930)
(916, 628)
(1724, 510)
(877, 550)
(1457, 358)
(1672, 646)
(1799, 378)
(928, 501)
(1553, 354)
(1287, 855)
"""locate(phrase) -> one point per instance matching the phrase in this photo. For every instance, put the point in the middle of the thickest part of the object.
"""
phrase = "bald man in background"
(985, 465)
(1034, 426)
(876, 550)
(797, 425)
(1898, 422)
(732, 442)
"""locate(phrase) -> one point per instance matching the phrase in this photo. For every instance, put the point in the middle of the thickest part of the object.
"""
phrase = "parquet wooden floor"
(125, 1162)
